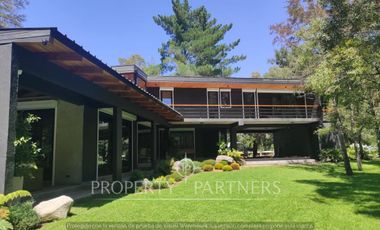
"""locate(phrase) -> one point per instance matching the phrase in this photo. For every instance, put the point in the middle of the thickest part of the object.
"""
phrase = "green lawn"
(319, 194)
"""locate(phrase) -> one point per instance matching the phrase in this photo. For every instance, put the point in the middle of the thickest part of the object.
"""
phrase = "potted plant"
(27, 151)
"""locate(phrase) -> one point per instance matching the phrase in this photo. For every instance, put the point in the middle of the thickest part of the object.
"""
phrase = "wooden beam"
(85, 69)
(62, 56)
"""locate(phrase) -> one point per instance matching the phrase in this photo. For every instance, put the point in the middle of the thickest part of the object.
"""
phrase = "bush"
(208, 162)
(164, 167)
(236, 155)
(207, 167)
(175, 175)
(223, 162)
(5, 225)
(218, 166)
(22, 216)
(227, 168)
(171, 180)
(331, 155)
(15, 197)
(235, 166)
(186, 166)
(160, 182)
(136, 175)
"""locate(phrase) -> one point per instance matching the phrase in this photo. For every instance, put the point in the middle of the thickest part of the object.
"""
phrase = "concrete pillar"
(134, 144)
(153, 132)
(117, 126)
(8, 111)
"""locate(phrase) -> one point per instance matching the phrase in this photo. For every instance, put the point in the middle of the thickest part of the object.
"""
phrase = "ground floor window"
(144, 145)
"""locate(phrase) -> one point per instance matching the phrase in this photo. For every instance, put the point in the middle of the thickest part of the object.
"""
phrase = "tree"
(136, 59)
(9, 13)
(255, 74)
(195, 46)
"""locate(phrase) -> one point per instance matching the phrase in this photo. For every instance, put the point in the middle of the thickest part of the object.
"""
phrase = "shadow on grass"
(95, 201)
(362, 189)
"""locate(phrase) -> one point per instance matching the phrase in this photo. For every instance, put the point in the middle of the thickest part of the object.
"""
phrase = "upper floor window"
(225, 98)
(167, 96)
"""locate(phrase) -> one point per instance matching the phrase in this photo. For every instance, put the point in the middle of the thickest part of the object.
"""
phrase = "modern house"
(97, 121)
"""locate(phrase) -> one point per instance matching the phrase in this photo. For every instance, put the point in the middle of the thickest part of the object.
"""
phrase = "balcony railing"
(248, 111)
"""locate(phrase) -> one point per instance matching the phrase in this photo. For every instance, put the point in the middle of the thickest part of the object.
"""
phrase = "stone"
(224, 158)
(176, 166)
(54, 209)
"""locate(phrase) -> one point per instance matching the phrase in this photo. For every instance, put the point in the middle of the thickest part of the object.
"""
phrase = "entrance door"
(249, 105)
(213, 104)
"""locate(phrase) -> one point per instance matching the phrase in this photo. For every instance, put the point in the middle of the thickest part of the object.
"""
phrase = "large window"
(167, 97)
(213, 103)
(183, 143)
(225, 99)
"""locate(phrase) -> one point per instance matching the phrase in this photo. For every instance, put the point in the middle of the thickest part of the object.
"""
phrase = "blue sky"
(118, 28)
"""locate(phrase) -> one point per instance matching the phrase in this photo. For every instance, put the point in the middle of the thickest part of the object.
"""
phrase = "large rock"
(224, 158)
(54, 209)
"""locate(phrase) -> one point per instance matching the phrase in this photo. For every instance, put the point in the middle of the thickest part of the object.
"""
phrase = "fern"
(4, 199)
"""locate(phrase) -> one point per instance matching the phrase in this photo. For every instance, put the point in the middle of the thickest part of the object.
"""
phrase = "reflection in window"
(183, 143)
(167, 97)
(225, 99)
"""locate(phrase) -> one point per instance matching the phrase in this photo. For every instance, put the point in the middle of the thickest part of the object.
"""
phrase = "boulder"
(176, 166)
(54, 209)
(224, 158)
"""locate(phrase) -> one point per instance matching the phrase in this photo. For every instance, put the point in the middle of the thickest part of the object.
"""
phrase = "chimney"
(133, 73)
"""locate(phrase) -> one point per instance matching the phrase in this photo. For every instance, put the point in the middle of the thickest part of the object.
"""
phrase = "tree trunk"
(378, 139)
(343, 149)
(359, 153)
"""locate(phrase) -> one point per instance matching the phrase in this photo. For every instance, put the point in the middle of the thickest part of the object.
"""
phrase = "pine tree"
(195, 46)
(9, 15)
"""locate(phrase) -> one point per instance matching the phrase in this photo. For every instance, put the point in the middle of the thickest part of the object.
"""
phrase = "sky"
(119, 28)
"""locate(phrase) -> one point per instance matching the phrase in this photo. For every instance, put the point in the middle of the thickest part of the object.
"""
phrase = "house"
(100, 122)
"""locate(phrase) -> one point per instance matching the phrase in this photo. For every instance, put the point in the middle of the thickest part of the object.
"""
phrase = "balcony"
(201, 111)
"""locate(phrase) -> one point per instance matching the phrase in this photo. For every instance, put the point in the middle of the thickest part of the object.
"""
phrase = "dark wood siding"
(155, 91)
(190, 96)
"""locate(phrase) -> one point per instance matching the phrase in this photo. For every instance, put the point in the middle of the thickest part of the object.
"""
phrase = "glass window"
(225, 99)
(167, 97)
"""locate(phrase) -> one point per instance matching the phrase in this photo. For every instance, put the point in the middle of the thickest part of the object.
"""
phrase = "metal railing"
(247, 111)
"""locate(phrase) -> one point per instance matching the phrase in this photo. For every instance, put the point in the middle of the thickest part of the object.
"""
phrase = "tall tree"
(9, 13)
(195, 45)
(137, 59)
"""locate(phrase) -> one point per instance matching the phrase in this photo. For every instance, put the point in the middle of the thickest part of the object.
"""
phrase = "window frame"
(171, 90)
(220, 98)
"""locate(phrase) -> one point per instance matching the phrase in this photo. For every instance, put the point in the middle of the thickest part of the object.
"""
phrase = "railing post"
(304, 94)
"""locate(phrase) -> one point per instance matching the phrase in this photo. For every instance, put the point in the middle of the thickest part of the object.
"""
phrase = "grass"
(320, 194)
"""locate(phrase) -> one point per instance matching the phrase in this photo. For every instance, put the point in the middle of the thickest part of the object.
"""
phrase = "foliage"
(22, 216)
(186, 166)
(26, 152)
(160, 183)
(223, 148)
(223, 162)
(4, 213)
(208, 162)
(14, 197)
(164, 167)
(5, 225)
(136, 175)
(175, 175)
(9, 13)
(227, 168)
(136, 59)
(207, 167)
(235, 166)
(195, 46)
(171, 180)
(330, 155)
(218, 166)
(236, 155)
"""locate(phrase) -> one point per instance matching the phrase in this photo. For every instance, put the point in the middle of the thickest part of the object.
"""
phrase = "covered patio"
(93, 114)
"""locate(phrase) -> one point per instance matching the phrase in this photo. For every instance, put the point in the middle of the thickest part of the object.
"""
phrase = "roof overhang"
(64, 52)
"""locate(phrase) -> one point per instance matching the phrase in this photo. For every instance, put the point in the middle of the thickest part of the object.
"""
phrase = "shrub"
(235, 166)
(208, 162)
(5, 225)
(170, 180)
(330, 155)
(197, 164)
(136, 175)
(197, 170)
(223, 162)
(176, 176)
(164, 167)
(227, 168)
(207, 167)
(186, 166)
(15, 197)
(160, 182)
(218, 166)
(22, 216)
(235, 154)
